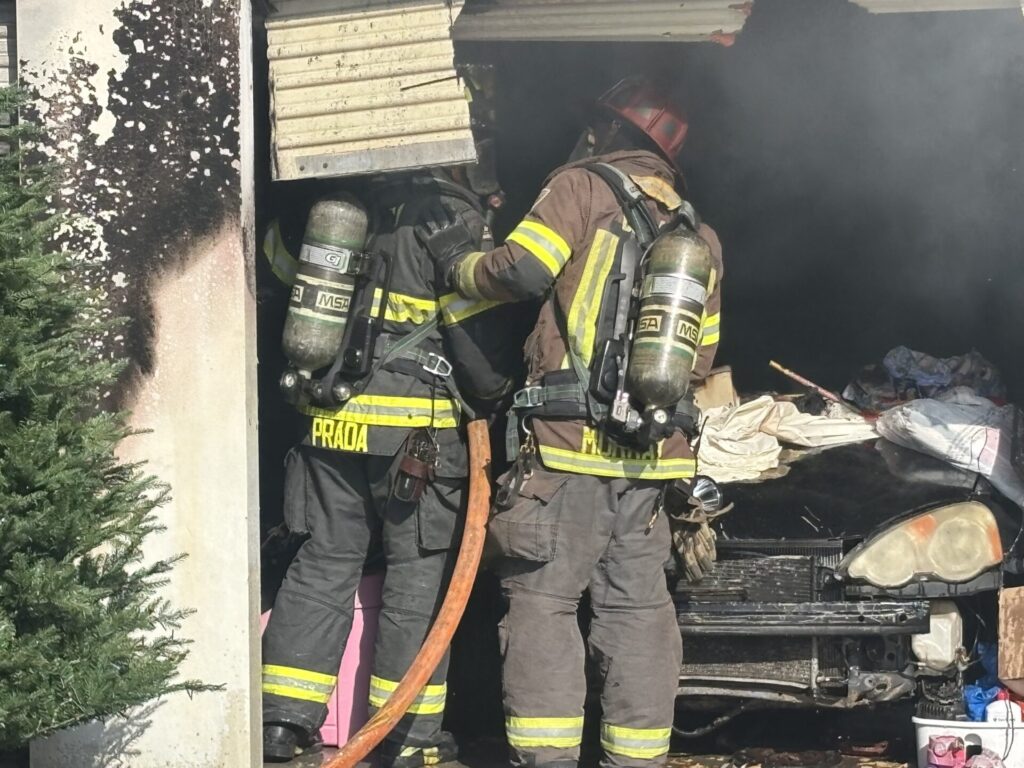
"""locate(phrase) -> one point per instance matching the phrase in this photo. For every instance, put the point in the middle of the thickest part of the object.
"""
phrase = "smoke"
(863, 172)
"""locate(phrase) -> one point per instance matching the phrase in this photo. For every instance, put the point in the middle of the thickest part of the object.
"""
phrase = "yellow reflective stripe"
(282, 263)
(405, 309)
(647, 734)
(422, 709)
(586, 304)
(543, 722)
(418, 707)
(295, 683)
(296, 693)
(465, 279)
(392, 685)
(378, 700)
(387, 411)
(544, 243)
(607, 466)
(550, 236)
(299, 674)
(544, 731)
(383, 684)
(430, 700)
(455, 308)
(710, 330)
(642, 743)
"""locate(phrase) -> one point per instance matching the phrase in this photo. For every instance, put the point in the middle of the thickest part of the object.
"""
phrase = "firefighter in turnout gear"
(580, 509)
(383, 471)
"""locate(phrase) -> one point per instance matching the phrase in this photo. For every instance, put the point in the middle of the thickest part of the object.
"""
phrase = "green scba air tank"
(677, 276)
(330, 263)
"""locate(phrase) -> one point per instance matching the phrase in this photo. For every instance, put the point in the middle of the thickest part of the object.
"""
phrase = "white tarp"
(741, 442)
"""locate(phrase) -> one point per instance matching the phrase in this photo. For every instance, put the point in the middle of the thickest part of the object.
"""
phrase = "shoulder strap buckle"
(437, 365)
(528, 397)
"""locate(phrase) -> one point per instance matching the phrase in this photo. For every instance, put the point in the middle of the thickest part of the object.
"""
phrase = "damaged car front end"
(865, 575)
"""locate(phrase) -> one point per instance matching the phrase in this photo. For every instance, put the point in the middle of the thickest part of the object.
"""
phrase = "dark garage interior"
(863, 172)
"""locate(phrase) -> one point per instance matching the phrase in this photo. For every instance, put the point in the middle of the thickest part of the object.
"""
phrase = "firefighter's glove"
(446, 239)
(693, 541)
(694, 548)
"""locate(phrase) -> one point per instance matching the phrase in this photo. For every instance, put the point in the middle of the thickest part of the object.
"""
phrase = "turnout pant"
(344, 500)
(565, 534)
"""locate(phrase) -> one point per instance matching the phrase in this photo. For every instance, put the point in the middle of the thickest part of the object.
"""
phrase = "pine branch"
(84, 633)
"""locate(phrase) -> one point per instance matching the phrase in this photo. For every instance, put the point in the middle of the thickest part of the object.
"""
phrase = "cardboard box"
(716, 390)
(1011, 639)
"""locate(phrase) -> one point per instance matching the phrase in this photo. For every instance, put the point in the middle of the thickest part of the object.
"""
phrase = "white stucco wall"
(196, 390)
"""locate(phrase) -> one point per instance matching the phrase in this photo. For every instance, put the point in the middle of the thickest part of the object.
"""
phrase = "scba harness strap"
(570, 394)
(376, 350)
(404, 354)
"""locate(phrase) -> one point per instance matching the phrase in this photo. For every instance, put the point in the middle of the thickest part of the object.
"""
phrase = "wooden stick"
(440, 635)
(827, 394)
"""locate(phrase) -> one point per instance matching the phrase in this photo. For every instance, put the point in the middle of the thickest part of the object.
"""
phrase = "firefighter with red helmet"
(581, 507)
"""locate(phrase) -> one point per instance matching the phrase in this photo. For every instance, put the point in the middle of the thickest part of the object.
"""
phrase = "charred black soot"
(168, 175)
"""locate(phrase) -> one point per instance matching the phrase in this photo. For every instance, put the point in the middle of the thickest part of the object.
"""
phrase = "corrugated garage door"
(8, 57)
(626, 20)
(915, 6)
(647, 20)
(8, 44)
(359, 87)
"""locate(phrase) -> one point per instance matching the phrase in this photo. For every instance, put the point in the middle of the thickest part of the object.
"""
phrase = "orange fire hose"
(440, 635)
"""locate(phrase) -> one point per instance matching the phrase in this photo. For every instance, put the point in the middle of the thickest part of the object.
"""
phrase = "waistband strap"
(428, 367)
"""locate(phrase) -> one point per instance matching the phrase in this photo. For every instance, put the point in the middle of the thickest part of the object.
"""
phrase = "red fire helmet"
(647, 107)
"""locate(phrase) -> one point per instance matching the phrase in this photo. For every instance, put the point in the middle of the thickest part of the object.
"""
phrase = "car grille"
(768, 571)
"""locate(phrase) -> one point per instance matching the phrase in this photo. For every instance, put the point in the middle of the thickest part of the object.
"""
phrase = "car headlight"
(953, 543)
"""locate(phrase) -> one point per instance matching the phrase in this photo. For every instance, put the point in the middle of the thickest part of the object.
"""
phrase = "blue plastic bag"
(984, 691)
(977, 697)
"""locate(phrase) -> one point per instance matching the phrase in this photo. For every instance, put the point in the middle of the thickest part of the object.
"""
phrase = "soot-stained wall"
(864, 173)
(149, 105)
(150, 147)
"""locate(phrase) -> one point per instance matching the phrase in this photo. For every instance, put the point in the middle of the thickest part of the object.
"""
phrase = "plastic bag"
(987, 687)
(967, 431)
(977, 698)
(933, 375)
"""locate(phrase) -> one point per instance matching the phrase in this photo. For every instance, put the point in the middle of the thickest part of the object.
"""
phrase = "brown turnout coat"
(563, 250)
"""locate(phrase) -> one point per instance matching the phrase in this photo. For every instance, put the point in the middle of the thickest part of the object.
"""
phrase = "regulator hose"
(440, 635)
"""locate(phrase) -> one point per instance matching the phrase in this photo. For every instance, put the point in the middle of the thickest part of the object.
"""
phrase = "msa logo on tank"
(685, 331)
(339, 435)
(688, 332)
(320, 300)
(597, 443)
(677, 299)
(333, 301)
(650, 324)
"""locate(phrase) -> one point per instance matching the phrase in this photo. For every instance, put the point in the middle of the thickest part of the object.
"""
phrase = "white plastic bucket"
(1005, 739)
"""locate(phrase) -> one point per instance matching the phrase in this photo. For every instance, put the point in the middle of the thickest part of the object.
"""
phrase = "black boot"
(397, 756)
(282, 742)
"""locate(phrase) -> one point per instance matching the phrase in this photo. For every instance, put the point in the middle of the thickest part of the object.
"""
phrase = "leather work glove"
(694, 548)
(446, 239)
(693, 541)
